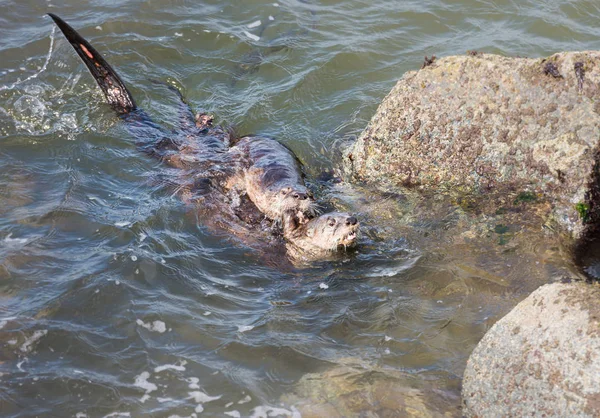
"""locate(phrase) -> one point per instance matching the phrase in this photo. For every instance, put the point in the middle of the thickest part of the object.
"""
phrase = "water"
(116, 301)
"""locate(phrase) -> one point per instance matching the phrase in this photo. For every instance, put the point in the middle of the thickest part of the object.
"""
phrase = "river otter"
(326, 233)
(234, 184)
(273, 178)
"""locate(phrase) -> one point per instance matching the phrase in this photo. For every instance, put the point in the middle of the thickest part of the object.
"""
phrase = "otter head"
(328, 232)
(295, 199)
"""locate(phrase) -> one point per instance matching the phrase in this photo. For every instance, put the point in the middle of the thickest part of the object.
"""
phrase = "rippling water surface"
(116, 301)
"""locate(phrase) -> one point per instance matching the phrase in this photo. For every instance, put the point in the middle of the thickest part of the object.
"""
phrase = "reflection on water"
(116, 301)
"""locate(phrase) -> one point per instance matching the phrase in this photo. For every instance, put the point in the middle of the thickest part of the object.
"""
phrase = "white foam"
(193, 383)
(254, 24)
(81, 415)
(269, 411)
(245, 400)
(133, 258)
(386, 338)
(206, 313)
(26, 347)
(234, 414)
(323, 286)
(5, 320)
(178, 34)
(122, 223)
(252, 36)
(13, 241)
(244, 328)
(156, 326)
(178, 416)
(271, 18)
(19, 364)
(141, 381)
(201, 397)
(117, 414)
(179, 368)
(163, 400)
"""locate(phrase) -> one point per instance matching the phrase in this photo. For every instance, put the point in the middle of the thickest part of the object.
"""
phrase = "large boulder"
(542, 359)
(490, 124)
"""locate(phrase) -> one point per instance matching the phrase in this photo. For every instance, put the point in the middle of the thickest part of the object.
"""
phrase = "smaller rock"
(543, 358)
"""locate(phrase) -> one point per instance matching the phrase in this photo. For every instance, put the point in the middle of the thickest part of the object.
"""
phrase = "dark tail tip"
(116, 93)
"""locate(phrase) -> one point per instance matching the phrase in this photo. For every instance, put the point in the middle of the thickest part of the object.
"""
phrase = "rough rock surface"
(542, 359)
(492, 124)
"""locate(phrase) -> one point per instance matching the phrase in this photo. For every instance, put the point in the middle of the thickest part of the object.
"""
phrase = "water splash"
(31, 77)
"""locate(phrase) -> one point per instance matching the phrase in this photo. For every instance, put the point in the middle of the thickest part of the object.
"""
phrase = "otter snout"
(300, 196)
(351, 221)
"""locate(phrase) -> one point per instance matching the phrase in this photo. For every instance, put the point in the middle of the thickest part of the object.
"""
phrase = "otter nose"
(300, 196)
(351, 221)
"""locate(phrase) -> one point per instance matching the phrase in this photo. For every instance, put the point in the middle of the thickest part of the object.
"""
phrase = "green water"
(116, 301)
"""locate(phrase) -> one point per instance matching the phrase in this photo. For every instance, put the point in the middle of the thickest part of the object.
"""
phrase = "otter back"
(273, 178)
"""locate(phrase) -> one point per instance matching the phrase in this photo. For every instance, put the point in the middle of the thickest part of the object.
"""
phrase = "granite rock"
(494, 125)
(542, 359)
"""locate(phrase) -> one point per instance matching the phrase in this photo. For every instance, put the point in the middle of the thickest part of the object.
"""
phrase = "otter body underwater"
(247, 187)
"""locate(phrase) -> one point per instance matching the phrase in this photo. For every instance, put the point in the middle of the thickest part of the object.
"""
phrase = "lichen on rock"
(491, 125)
(543, 358)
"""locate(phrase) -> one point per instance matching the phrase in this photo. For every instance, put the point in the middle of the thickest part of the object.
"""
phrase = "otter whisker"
(178, 189)
(315, 210)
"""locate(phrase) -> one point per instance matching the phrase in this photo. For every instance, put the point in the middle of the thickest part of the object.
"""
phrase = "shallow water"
(116, 301)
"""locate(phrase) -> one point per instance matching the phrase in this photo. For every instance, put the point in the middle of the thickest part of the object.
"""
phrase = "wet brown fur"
(326, 233)
(238, 185)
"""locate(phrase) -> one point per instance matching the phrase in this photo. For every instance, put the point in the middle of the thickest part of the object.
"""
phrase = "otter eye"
(331, 222)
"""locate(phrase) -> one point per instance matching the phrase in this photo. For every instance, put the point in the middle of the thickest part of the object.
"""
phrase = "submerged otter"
(235, 184)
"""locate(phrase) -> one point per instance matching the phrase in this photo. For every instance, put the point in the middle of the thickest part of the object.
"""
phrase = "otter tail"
(117, 94)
